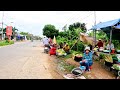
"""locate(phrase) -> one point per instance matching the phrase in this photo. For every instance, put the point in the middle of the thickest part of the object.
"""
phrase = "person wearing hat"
(100, 43)
(87, 59)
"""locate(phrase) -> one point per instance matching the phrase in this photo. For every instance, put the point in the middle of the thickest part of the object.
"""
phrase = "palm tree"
(14, 29)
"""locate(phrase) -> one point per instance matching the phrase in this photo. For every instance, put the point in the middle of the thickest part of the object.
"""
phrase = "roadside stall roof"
(106, 24)
(118, 26)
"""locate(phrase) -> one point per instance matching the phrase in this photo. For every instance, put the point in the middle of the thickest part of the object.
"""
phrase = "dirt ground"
(97, 71)
(52, 66)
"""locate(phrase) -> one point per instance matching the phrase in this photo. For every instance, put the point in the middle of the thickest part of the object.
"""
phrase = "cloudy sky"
(34, 21)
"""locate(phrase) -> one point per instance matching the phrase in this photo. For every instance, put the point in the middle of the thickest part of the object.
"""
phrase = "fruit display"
(60, 52)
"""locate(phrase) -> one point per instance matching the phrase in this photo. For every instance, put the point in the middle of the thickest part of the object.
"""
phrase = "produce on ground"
(108, 58)
(60, 52)
(116, 66)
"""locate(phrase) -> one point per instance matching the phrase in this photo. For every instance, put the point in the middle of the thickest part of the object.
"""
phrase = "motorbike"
(46, 49)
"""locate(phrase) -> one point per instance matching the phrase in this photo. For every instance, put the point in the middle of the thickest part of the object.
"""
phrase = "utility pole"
(94, 25)
(2, 25)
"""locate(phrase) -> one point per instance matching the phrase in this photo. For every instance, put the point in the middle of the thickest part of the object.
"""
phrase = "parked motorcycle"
(46, 49)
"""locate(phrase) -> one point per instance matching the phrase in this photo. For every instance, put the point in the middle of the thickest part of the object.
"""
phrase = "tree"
(24, 33)
(50, 31)
(28, 36)
(77, 25)
(14, 29)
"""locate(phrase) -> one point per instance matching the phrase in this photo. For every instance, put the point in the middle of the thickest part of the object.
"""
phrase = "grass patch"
(5, 42)
(68, 56)
(67, 67)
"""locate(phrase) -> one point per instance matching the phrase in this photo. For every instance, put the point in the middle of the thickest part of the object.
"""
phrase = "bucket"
(113, 51)
(82, 68)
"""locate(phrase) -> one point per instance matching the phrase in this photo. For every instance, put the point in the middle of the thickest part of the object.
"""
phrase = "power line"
(74, 16)
(86, 17)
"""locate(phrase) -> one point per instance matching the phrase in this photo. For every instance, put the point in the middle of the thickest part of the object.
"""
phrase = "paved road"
(24, 60)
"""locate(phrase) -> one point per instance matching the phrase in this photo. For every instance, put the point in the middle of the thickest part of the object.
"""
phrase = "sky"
(34, 21)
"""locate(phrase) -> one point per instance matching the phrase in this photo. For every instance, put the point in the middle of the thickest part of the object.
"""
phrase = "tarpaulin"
(118, 26)
(106, 24)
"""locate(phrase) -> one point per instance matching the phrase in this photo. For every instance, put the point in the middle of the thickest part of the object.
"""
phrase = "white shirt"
(45, 41)
(110, 46)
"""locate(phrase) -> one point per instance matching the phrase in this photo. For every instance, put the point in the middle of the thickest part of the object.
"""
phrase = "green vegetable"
(116, 66)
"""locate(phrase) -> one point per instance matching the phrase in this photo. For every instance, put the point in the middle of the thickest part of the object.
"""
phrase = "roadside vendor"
(100, 43)
(66, 48)
(87, 59)
(110, 46)
(53, 50)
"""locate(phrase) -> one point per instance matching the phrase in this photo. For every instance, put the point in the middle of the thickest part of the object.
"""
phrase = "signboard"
(9, 30)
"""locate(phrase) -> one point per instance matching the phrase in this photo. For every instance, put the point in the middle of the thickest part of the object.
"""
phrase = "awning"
(105, 24)
(118, 26)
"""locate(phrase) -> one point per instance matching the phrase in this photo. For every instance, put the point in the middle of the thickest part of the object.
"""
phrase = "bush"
(11, 42)
(79, 45)
(6, 42)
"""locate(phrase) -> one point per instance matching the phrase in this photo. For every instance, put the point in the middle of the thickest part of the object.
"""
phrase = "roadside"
(26, 61)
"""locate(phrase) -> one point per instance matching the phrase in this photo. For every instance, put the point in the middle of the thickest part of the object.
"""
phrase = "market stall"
(112, 29)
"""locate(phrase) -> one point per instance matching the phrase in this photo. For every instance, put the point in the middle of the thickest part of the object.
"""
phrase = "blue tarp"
(106, 24)
(118, 26)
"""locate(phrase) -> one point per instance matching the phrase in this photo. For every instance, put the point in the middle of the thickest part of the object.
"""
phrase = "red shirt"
(100, 44)
(53, 51)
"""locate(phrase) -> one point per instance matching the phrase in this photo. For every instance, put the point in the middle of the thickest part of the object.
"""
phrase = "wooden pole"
(110, 39)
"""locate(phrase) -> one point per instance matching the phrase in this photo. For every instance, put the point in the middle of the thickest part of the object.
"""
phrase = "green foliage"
(24, 33)
(11, 42)
(114, 57)
(28, 36)
(6, 42)
(99, 35)
(68, 56)
(61, 39)
(77, 25)
(79, 46)
(116, 43)
(102, 56)
(75, 52)
(69, 68)
(50, 31)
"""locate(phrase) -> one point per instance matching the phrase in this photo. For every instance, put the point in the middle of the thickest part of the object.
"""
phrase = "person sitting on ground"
(61, 45)
(110, 46)
(87, 59)
(100, 43)
(53, 50)
(66, 48)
